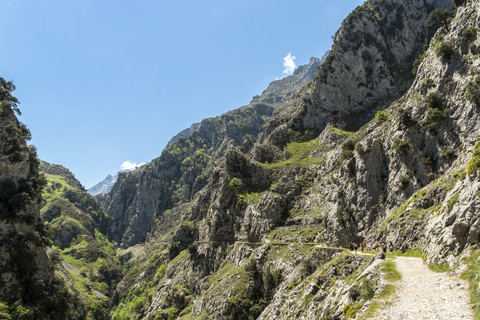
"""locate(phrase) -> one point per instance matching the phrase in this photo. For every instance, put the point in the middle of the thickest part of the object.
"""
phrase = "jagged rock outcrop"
(398, 178)
(368, 67)
(181, 171)
(285, 89)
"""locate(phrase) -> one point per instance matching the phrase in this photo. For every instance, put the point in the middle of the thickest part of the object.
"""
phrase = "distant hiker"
(355, 247)
(390, 247)
(351, 246)
(362, 246)
(384, 248)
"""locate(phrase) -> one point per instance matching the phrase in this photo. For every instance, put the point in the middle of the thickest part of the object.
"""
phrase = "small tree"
(6, 98)
(235, 184)
(445, 50)
(435, 100)
(439, 17)
(458, 3)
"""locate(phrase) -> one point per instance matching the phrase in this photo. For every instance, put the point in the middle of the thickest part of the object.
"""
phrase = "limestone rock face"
(368, 67)
(246, 229)
(27, 280)
(19, 209)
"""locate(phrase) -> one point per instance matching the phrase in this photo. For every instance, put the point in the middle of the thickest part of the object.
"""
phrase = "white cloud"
(289, 64)
(127, 165)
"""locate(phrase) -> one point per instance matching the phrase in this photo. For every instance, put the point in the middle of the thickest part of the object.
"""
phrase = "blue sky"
(105, 82)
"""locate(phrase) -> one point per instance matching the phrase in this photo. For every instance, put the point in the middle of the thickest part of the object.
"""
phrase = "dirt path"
(426, 295)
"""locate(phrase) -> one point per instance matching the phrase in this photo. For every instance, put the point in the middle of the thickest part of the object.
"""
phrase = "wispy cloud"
(289, 64)
(128, 165)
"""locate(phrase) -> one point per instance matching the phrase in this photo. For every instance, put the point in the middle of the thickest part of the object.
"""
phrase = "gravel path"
(426, 295)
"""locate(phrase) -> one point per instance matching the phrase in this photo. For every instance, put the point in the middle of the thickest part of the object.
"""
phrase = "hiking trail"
(423, 294)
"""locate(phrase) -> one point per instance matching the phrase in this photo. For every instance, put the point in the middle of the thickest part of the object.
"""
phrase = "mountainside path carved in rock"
(424, 294)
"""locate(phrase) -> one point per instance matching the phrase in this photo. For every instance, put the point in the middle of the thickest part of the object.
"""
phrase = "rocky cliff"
(378, 146)
(244, 216)
(29, 288)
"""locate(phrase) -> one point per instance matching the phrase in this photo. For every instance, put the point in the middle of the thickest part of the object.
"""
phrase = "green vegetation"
(251, 198)
(413, 253)
(8, 101)
(401, 145)
(381, 116)
(257, 291)
(342, 132)
(470, 34)
(56, 186)
(435, 100)
(306, 235)
(300, 155)
(452, 201)
(471, 275)
(347, 149)
(350, 312)
(235, 184)
(459, 3)
(439, 267)
(439, 17)
(390, 269)
(418, 62)
(474, 163)
(445, 50)
(472, 93)
(428, 83)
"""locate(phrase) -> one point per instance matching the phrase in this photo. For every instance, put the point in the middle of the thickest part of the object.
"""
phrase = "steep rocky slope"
(242, 246)
(365, 70)
(80, 229)
(29, 288)
(244, 216)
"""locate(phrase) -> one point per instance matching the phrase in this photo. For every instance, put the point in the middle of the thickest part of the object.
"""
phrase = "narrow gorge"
(250, 215)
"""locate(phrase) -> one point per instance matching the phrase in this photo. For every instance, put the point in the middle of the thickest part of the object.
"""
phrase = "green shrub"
(405, 118)
(474, 163)
(439, 17)
(473, 91)
(437, 115)
(458, 3)
(418, 61)
(429, 83)
(435, 101)
(473, 48)
(367, 290)
(470, 34)
(235, 184)
(445, 50)
(381, 116)
(401, 145)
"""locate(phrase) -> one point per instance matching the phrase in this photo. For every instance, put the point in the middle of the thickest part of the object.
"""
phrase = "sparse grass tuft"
(390, 270)
(439, 267)
(471, 275)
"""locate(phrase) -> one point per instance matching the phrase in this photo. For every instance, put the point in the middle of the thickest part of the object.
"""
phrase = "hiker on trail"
(351, 246)
(362, 246)
(390, 247)
(355, 247)
(384, 248)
